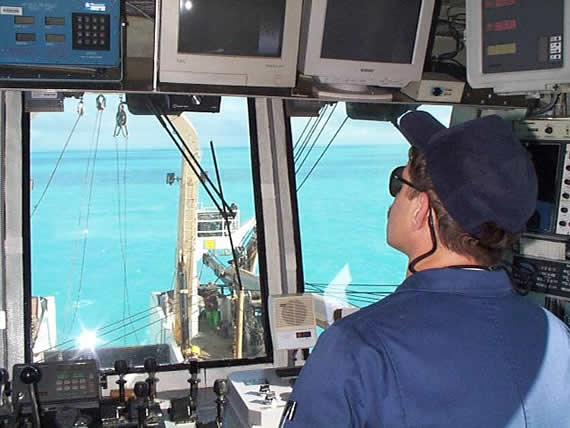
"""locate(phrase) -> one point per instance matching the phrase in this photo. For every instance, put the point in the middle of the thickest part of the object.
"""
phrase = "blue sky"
(228, 128)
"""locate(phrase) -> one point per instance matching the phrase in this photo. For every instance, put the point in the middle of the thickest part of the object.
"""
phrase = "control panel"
(258, 397)
(70, 34)
(542, 275)
(517, 46)
(76, 393)
(543, 129)
(61, 382)
(563, 221)
(548, 144)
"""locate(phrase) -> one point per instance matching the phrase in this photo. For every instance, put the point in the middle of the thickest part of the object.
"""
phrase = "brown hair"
(486, 249)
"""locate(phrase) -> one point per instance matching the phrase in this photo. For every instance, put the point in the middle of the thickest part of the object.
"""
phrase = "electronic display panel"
(546, 159)
(229, 27)
(375, 31)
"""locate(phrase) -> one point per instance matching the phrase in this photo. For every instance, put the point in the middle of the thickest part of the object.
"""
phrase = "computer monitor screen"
(545, 158)
(230, 42)
(229, 27)
(365, 43)
(376, 31)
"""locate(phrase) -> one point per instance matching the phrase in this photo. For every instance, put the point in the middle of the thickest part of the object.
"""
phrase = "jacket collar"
(459, 281)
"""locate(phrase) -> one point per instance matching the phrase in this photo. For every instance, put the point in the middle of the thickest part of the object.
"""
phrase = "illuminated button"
(87, 19)
(102, 19)
(95, 27)
(80, 26)
(79, 19)
(80, 42)
(102, 27)
(79, 34)
(87, 27)
(102, 42)
(102, 35)
(88, 34)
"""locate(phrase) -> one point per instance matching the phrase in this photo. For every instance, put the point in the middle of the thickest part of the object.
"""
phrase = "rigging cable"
(322, 154)
(79, 115)
(203, 177)
(297, 169)
(302, 133)
(122, 327)
(112, 324)
(226, 220)
(139, 10)
(80, 229)
(121, 130)
(195, 165)
(134, 331)
(101, 104)
(309, 135)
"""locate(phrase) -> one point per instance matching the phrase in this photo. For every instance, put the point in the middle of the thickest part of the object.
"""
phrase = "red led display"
(506, 25)
(499, 3)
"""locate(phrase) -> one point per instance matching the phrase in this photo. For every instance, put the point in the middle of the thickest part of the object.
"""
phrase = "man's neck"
(442, 258)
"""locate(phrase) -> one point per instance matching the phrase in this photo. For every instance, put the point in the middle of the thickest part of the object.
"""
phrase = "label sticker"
(44, 95)
(10, 10)
(96, 7)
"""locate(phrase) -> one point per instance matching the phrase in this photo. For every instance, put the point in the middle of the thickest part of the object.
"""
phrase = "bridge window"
(130, 256)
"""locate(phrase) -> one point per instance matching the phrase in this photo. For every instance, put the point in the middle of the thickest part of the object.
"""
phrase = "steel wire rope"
(121, 218)
(139, 10)
(122, 327)
(297, 169)
(322, 154)
(84, 187)
(302, 133)
(195, 165)
(309, 135)
(112, 324)
(203, 176)
(226, 219)
(52, 175)
(138, 329)
(88, 212)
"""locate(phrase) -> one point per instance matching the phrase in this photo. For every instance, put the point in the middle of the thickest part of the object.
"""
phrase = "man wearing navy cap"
(454, 346)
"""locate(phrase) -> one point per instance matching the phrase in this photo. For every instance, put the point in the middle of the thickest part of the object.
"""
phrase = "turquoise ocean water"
(95, 245)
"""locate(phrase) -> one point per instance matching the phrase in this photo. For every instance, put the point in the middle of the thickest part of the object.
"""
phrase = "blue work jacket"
(450, 348)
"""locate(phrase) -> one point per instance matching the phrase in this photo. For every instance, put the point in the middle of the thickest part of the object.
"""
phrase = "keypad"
(91, 31)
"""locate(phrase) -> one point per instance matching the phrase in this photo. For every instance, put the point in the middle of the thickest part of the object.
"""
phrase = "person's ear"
(420, 215)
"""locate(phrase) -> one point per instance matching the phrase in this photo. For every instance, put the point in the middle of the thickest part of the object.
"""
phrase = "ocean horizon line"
(205, 147)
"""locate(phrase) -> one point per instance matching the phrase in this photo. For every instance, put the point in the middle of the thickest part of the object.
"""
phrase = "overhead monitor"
(369, 42)
(228, 42)
(517, 46)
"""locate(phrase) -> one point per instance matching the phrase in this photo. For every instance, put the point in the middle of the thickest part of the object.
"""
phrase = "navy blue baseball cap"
(479, 170)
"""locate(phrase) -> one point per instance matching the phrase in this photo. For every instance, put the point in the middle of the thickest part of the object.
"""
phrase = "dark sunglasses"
(396, 181)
